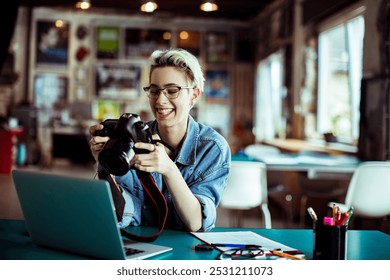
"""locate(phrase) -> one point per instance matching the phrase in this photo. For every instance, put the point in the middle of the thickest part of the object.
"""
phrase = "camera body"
(119, 149)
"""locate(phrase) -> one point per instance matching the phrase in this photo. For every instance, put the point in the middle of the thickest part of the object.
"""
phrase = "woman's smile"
(164, 112)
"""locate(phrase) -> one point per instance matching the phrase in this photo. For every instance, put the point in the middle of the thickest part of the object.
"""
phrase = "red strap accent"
(151, 190)
(159, 203)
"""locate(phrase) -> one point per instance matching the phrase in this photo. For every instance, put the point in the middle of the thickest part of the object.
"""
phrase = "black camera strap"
(116, 192)
(153, 193)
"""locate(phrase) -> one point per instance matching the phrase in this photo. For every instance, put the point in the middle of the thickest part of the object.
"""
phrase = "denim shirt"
(204, 162)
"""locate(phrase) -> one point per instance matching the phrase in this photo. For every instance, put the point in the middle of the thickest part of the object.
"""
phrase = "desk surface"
(317, 166)
(15, 244)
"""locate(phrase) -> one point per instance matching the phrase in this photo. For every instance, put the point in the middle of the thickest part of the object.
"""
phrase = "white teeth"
(164, 111)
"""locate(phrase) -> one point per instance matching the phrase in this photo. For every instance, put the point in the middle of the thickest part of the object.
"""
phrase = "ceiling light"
(83, 4)
(148, 6)
(209, 6)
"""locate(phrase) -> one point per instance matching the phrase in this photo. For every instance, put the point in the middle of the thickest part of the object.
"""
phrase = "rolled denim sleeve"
(209, 194)
(209, 213)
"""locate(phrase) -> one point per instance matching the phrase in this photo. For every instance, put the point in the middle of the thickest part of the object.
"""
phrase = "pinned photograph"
(52, 42)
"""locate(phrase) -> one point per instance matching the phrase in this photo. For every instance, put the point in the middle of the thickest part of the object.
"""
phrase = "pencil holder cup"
(330, 242)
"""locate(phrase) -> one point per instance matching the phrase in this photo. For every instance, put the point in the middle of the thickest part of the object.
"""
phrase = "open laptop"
(75, 215)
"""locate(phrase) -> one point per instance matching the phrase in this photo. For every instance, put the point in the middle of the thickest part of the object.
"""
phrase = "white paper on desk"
(240, 237)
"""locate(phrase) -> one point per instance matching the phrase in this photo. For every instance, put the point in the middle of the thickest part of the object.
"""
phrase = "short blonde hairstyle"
(182, 60)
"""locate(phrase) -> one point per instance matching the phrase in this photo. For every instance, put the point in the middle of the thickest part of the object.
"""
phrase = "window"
(340, 54)
(270, 92)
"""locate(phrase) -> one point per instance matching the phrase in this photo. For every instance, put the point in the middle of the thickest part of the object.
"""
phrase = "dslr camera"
(119, 149)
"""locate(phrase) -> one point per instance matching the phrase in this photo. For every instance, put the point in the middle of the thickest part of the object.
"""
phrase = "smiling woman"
(192, 173)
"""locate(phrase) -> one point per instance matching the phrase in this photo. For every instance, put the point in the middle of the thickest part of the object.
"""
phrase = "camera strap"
(158, 202)
(151, 191)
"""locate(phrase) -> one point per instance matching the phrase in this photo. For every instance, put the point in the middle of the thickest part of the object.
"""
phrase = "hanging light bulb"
(83, 4)
(209, 6)
(148, 6)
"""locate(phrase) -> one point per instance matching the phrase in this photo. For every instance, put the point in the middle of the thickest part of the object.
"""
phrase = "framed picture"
(217, 85)
(52, 43)
(218, 46)
(189, 40)
(142, 42)
(105, 109)
(107, 42)
(50, 91)
(118, 81)
(50, 97)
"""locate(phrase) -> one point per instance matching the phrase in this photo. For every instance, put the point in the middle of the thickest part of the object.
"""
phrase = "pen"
(312, 214)
(285, 255)
(334, 211)
(350, 212)
(336, 214)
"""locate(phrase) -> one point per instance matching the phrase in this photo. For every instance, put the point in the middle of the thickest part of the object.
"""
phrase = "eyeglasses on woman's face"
(171, 92)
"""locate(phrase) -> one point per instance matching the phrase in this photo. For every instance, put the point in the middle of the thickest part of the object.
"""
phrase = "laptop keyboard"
(132, 251)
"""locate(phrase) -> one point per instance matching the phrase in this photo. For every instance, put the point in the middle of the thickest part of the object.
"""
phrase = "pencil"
(312, 214)
(285, 255)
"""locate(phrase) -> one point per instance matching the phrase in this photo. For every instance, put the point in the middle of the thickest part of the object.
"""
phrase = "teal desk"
(316, 166)
(15, 244)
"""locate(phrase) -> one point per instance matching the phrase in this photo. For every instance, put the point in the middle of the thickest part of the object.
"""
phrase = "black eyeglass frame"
(163, 90)
(249, 252)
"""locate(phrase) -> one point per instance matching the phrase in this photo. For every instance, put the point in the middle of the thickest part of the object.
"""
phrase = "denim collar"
(187, 153)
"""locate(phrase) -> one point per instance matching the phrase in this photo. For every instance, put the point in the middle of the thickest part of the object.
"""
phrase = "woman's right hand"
(96, 143)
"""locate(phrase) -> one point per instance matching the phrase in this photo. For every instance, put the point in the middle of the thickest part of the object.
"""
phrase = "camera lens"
(116, 155)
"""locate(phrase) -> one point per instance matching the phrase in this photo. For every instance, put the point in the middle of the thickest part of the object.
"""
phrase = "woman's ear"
(196, 94)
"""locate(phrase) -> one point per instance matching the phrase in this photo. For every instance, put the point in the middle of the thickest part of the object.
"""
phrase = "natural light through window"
(340, 51)
(269, 98)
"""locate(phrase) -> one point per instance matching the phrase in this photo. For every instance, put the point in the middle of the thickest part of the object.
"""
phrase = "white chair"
(278, 193)
(247, 189)
(369, 191)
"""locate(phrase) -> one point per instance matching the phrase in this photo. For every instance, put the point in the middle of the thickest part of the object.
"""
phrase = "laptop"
(75, 215)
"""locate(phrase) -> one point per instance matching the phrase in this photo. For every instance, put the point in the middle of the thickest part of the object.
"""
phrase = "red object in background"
(81, 53)
(6, 149)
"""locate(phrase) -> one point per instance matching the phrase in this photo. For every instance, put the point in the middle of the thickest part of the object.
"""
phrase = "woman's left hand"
(157, 160)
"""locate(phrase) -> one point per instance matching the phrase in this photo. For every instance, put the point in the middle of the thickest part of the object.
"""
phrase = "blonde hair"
(182, 60)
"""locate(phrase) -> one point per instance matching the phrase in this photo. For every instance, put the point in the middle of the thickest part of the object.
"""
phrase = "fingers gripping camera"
(119, 149)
